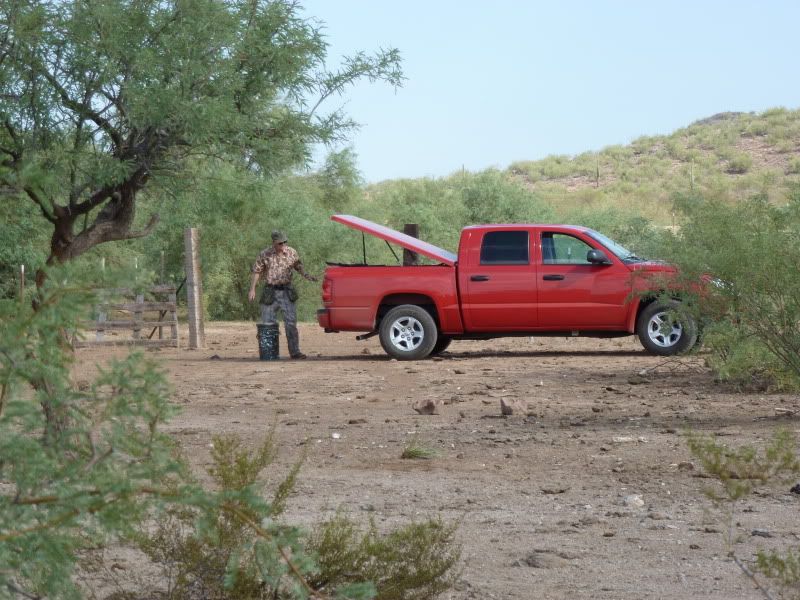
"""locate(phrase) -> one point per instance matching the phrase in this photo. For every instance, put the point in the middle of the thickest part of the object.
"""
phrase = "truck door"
(574, 293)
(498, 283)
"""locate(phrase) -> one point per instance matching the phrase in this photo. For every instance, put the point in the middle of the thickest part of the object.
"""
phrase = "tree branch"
(263, 533)
(35, 197)
(148, 229)
(93, 201)
(84, 110)
(752, 577)
(10, 128)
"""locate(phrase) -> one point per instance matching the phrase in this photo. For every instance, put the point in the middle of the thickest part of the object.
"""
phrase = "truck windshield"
(618, 249)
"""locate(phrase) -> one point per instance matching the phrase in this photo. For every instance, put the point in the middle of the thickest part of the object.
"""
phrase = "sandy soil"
(593, 494)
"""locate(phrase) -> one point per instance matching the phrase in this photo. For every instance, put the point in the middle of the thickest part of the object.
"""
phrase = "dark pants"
(269, 316)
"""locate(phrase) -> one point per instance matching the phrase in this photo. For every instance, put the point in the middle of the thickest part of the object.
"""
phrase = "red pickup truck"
(506, 280)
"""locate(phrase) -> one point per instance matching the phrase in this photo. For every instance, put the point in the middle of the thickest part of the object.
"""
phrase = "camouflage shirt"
(275, 268)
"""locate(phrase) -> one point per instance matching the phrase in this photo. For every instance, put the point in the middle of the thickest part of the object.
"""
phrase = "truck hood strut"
(396, 237)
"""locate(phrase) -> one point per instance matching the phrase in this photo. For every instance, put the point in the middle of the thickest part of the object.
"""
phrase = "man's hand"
(252, 295)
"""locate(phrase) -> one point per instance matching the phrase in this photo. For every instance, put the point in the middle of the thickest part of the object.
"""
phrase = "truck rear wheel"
(664, 329)
(408, 332)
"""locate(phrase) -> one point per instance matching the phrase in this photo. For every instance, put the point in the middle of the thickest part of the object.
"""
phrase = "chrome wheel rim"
(406, 334)
(663, 331)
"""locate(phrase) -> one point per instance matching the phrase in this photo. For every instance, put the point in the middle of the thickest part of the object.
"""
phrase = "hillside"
(729, 156)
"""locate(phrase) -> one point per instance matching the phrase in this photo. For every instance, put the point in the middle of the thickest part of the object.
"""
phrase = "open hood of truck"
(396, 237)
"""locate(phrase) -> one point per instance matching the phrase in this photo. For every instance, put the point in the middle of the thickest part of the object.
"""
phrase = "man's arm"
(252, 295)
(298, 266)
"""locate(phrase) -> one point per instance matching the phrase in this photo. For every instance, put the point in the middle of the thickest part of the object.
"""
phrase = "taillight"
(327, 290)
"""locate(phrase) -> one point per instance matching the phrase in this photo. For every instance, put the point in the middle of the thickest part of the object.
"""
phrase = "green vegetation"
(416, 561)
(738, 473)
(105, 101)
(416, 451)
(627, 192)
(109, 476)
(752, 307)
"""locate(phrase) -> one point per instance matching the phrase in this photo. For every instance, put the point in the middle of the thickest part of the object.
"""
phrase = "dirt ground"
(592, 494)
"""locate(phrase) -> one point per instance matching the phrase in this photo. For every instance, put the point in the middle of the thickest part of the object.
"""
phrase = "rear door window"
(505, 248)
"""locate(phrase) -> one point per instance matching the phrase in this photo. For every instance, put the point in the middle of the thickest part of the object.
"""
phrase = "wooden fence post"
(194, 289)
(409, 257)
(22, 283)
(137, 317)
(101, 317)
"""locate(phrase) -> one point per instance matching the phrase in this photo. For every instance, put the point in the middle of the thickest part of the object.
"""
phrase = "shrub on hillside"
(739, 163)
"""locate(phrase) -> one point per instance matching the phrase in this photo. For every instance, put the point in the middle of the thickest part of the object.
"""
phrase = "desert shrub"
(677, 149)
(221, 560)
(416, 562)
(490, 197)
(736, 474)
(793, 168)
(216, 555)
(23, 240)
(80, 464)
(617, 152)
(84, 465)
(643, 144)
(739, 163)
(749, 251)
(415, 450)
(756, 128)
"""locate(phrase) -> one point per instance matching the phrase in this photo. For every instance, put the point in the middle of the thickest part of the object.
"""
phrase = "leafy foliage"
(221, 555)
(109, 471)
(414, 561)
(65, 490)
(417, 561)
(753, 301)
(101, 100)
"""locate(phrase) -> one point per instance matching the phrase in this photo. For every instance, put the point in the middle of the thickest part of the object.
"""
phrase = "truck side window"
(505, 248)
(563, 249)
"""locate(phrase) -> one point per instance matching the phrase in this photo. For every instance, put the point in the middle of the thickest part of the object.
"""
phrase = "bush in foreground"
(738, 473)
(86, 466)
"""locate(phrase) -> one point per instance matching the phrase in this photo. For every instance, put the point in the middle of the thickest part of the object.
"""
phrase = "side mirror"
(597, 257)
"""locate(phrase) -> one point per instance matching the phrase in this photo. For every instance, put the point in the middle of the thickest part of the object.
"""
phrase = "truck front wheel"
(442, 343)
(408, 332)
(664, 329)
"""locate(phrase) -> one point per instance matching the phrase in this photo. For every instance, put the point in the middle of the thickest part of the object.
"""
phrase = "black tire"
(442, 343)
(666, 330)
(408, 332)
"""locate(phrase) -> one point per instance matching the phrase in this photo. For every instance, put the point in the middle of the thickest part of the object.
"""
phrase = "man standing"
(277, 264)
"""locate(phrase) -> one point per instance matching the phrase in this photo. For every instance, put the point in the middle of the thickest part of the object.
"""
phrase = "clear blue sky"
(495, 81)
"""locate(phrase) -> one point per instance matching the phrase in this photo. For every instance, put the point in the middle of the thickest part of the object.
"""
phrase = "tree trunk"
(113, 222)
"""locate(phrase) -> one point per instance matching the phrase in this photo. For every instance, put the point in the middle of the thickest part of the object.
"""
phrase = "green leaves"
(750, 251)
(738, 472)
(77, 464)
(99, 98)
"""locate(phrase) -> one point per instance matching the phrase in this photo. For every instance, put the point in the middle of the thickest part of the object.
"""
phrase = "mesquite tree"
(100, 100)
